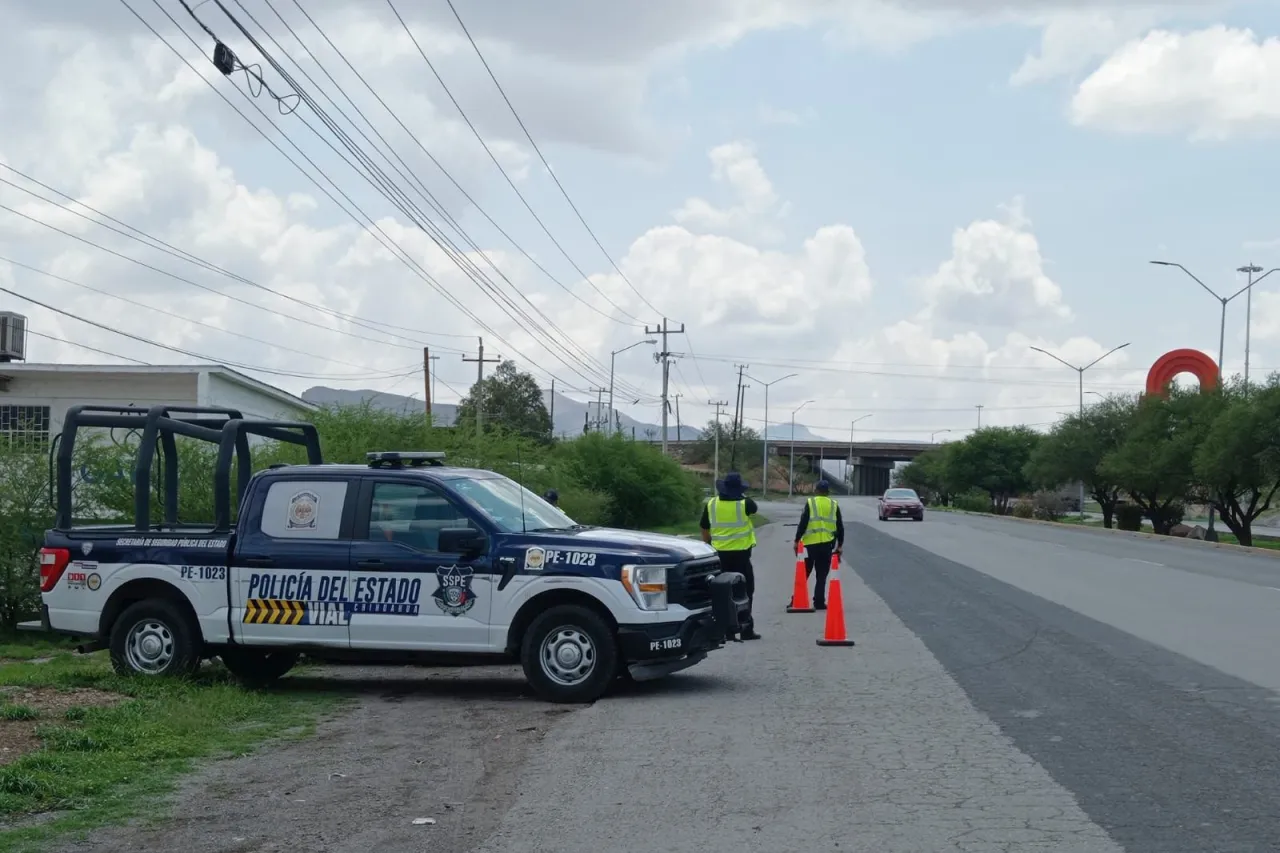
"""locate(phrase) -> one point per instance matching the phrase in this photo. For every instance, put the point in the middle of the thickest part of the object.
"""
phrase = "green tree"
(1237, 463)
(1073, 452)
(646, 488)
(511, 400)
(993, 460)
(1154, 463)
(929, 475)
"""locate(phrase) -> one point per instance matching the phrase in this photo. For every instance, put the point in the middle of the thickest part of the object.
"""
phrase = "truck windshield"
(511, 506)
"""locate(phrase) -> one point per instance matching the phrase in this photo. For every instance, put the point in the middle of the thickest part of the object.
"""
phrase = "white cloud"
(768, 115)
(1210, 84)
(1072, 40)
(995, 277)
(734, 165)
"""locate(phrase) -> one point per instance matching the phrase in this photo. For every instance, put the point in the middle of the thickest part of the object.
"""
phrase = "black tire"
(258, 667)
(155, 637)
(570, 620)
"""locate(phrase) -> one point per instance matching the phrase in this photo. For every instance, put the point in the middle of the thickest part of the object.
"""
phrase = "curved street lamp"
(764, 475)
(791, 477)
(612, 356)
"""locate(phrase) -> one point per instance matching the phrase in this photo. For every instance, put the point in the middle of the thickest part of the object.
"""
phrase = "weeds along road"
(1013, 688)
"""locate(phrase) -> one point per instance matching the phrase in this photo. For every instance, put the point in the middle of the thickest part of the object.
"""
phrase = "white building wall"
(218, 390)
(61, 391)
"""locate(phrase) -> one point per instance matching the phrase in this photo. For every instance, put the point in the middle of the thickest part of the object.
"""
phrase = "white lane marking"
(1148, 562)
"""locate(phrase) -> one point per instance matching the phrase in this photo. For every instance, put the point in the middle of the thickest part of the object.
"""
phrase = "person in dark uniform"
(552, 497)
(821, 531)
(727, 526)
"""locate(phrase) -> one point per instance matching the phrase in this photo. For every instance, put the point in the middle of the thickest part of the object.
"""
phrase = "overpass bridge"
(871, 461)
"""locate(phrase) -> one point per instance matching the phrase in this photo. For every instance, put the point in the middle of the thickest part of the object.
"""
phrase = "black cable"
(226, 61)
(362, 219)
(413, 136)
(586, 278)
(89, 348)
(195, 284)
(538, 151)
(191, 354)
(128, 301)
(381, 182)
(461, 259)
(182, 254)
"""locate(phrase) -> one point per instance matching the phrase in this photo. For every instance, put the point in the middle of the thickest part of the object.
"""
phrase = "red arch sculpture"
(1178, 361)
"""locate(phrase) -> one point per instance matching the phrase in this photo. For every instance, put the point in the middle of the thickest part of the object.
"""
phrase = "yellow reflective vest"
(731, 528)
(822, 521)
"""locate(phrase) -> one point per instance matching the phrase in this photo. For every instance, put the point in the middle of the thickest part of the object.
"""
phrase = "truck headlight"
(647, 586)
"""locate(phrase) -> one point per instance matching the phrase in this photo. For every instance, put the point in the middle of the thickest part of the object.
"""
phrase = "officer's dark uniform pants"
(818, 557)
(740, 561)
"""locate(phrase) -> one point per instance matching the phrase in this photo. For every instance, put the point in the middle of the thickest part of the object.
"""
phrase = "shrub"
(1128, 517)
(645, 487)
(1024, 509)
(1048, 506)
(973, 502)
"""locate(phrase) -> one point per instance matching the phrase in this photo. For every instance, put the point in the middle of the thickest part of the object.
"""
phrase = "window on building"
(25, 426)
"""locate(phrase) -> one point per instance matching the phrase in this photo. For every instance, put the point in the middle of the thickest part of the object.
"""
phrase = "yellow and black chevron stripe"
(268, 611)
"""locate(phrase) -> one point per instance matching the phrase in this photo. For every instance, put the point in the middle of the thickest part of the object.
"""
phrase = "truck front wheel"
(258, 667)
(154, 637)
(569, 654)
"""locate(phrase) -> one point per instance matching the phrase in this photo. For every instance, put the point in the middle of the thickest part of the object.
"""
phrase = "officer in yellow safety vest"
(821, 531)
(727, 526)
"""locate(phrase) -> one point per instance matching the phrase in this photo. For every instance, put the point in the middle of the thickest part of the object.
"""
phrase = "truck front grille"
(689, 583)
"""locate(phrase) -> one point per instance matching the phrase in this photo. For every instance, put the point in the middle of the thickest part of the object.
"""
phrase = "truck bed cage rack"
(159, 427)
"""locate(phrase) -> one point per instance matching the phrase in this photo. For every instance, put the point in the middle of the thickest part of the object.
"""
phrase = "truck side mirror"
(463, 540)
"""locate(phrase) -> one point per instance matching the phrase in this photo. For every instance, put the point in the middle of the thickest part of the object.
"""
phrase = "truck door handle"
(258, 562)
(370, 564)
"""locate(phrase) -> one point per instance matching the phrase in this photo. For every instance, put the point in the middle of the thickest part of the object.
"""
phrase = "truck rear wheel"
(569, 654)
(258, 667)
(154, 637)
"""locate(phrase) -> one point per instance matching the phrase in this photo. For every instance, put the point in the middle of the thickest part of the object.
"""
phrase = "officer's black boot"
(749, 629)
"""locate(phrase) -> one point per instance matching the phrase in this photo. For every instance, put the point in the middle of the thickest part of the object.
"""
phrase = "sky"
(893, 200)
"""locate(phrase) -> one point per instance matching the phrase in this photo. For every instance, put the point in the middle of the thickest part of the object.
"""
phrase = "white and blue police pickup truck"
(402, 559)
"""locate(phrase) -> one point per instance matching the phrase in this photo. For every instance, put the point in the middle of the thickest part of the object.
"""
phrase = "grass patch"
(691, 528)
(100, 764)
(29, 645)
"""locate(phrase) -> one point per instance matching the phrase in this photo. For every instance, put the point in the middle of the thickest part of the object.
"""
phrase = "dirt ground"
(444, 744)
(18, 732)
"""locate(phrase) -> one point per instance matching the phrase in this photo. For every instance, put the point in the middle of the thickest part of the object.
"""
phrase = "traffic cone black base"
(801, 610)
(836, 643)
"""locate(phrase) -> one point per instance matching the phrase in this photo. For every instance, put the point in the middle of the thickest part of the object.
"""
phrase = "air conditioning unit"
(13, 337)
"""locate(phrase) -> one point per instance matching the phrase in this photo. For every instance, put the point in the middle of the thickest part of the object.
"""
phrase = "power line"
(201, 323)
(197, 355)
(87, 347)
(182, 254)
(363, 219)
(406, 173)
(586, 278)
(538, 151)
(372, 173)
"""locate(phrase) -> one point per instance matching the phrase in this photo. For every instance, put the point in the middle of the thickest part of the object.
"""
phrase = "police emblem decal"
(454, 595)
(86, 548)
(304, 507)
(534, 559)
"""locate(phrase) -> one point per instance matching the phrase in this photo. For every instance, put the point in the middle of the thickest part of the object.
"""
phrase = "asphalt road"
(1014, 688)
(982, 710)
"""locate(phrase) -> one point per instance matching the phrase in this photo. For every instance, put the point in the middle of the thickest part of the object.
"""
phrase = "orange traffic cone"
(835, 634)
(800, 602)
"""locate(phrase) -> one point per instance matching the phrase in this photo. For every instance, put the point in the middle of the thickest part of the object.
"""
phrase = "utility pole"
(979, 408)
(435, 379)
(679, 429)
(426, 380)
(551, 408)
(599, 421)
(719, 404)
(664, 358)
(480, 361)
(737, 415)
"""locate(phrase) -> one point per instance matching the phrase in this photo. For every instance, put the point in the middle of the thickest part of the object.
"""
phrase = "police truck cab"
(401, 559)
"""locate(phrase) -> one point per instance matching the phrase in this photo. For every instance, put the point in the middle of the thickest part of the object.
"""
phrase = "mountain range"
(568, 415)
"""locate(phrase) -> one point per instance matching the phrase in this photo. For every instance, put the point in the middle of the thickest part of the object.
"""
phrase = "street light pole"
(1211, 535)
(791, 477)
(935, 432)
(612, 358)
(1251, 270)
(849, 472)
(764, 469)
(1080, 374)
